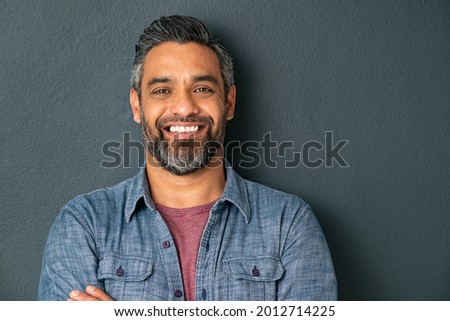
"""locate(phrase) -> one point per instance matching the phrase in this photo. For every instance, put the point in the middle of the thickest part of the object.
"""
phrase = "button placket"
(169, 258)
(207, 254)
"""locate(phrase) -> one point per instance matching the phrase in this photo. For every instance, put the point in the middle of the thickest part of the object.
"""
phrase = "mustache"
(161, 122)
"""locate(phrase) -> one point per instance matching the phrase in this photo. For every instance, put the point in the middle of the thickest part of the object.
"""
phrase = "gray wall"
(375, 73)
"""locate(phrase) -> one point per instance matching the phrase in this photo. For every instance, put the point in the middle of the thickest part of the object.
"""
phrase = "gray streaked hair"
(180, 29)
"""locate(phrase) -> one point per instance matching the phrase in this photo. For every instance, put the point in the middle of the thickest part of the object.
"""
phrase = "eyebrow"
(161, 80)
(164, 80)
(209, 78)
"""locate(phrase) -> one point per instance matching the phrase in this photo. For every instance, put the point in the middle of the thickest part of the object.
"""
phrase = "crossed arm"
(65, 278)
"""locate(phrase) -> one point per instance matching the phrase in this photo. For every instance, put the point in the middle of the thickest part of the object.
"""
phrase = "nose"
(184, 105)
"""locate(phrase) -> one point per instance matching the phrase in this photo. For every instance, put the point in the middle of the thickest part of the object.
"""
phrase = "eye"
(206, 91)
(161, 91)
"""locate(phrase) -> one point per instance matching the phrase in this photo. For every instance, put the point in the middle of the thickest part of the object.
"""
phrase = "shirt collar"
(235, 192)
(139, 189)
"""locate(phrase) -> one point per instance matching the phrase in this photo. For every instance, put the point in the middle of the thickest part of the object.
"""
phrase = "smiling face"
(183, 108)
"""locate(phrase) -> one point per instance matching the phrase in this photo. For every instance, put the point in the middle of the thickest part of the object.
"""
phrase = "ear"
(135, 105)
(231, 102)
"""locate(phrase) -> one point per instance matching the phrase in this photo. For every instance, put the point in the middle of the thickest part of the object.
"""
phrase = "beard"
(182, 157)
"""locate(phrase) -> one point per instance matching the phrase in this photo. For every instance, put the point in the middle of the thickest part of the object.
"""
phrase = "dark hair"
(180, 29)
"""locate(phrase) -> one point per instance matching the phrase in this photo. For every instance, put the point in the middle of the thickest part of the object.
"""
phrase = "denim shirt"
(258, 244)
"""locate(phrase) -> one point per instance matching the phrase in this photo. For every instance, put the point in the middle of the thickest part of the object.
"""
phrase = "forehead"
(172, 59)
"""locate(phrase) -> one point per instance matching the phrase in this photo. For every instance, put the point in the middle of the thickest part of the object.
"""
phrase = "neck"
(201, 187)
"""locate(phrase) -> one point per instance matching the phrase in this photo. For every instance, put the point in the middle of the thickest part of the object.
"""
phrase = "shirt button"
(256, 272)
(178, 294)
(166, 244)
(120, 271)
(204, 294)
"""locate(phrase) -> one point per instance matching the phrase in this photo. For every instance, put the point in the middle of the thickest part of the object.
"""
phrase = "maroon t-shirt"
(186, 226)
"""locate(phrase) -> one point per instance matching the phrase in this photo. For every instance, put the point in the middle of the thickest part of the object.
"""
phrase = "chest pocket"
(252, 278)
(124, 276)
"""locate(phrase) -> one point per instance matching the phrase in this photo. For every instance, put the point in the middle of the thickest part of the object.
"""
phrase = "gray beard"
(182, 157)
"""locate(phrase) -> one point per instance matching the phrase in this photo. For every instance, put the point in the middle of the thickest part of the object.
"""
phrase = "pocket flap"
(260, 268)
(124, 268)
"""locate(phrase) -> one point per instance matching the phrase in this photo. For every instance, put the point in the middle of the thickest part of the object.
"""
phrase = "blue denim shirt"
(258, 244)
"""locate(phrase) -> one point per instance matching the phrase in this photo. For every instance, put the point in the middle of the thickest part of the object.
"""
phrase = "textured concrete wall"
(374, 73)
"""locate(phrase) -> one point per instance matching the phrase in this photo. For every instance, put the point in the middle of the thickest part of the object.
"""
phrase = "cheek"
(217, 110)
(152, 113)
(219, 121)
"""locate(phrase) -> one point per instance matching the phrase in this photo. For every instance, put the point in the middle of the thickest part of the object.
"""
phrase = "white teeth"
(183, 129)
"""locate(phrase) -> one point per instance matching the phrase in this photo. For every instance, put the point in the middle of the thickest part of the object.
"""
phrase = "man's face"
(183, 109)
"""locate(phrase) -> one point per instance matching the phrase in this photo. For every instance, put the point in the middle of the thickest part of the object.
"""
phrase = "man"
(186, 227)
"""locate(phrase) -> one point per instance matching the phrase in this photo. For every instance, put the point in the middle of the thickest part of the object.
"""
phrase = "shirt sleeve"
(70, 257)
(309, 273)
